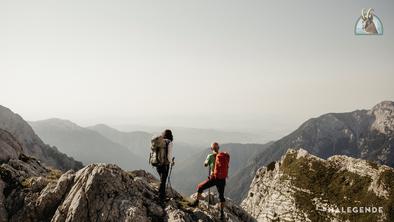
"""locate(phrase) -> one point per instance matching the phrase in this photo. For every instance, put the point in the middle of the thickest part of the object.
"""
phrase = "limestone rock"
(104, 192)
(384, 117)
(303, 187)
(9, 146)
(3, 211)
(98, 192)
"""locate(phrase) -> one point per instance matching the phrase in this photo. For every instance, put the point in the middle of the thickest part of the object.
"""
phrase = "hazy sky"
(217, 64)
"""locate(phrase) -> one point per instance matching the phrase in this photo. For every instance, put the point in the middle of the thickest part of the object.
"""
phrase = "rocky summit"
(30, 191)
(100, 192)
(303, 187)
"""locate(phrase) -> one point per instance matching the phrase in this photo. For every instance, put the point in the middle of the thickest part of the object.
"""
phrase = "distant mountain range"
(101, 143)
(202, 138)
(31, 144)
(332, 161)
(365, 134)
(87, 145)
(139, 142)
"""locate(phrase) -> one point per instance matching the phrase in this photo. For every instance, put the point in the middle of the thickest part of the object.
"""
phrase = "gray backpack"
(159, 151)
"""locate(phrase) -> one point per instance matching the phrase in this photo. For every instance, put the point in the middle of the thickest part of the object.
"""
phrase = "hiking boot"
(167, 199)
(222, 217)
(162, 198)
(163, 202)
(194, 203)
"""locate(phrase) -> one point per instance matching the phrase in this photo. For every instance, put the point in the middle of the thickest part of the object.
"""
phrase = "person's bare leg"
(201, 187)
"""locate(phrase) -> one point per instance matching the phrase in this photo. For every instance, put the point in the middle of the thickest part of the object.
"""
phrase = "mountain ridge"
(88, 145)
(140, 142)
(32, 144)
(349, 133)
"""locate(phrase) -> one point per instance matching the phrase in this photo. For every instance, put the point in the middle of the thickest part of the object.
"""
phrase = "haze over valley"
(303, 106)
(353, 146)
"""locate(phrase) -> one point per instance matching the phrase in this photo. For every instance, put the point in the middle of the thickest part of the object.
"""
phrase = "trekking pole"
(169, 177)
(209, 189)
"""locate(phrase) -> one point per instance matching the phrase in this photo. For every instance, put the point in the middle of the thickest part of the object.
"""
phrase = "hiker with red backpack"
(219, 164)
(161, 158)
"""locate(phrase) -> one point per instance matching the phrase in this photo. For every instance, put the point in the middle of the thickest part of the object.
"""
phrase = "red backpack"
(221, 165)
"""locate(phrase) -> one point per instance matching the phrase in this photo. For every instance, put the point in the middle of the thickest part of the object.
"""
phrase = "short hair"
(167, 134)
(215, 146)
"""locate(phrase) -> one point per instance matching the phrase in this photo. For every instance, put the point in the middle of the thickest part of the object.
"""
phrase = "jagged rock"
(3, 211)
(103, 192)
(9, 147)
(98, 192)
(384, 117)
(52, 195)
(303, 187)
(22, 180)
(236, 211)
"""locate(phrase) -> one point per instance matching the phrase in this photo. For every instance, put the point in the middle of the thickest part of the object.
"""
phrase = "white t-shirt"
(169, 153)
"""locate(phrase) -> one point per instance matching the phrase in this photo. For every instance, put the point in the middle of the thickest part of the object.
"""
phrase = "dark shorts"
(219, 183)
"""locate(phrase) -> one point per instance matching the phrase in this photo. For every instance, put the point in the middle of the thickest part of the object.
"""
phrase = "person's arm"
(169, 153)
(206, 162)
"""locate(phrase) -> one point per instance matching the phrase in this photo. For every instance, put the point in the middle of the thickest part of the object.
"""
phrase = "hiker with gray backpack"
(161, 157)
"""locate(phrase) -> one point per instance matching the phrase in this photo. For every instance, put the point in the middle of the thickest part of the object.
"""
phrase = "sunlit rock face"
(303, 187)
